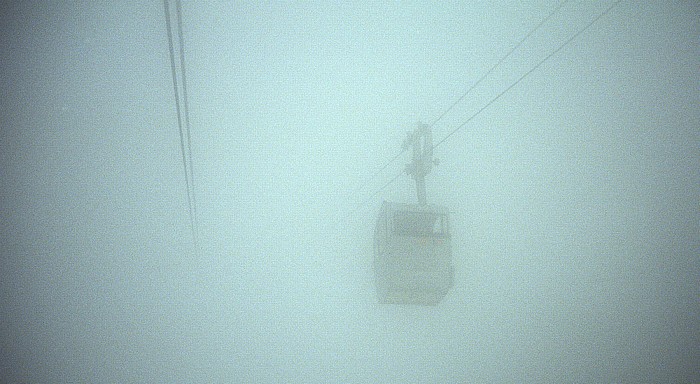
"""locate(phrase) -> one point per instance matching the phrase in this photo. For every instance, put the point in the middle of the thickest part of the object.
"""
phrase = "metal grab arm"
(422, 157)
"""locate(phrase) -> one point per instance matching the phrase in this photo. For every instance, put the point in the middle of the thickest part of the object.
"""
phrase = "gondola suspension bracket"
(421, 141)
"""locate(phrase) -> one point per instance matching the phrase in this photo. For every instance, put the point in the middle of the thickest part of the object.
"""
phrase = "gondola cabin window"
(420, 224)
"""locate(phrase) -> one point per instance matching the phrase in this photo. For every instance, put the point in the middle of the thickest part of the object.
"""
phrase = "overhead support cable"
(188, 169)
(377, 192)
(363, 185)
(497, 97)
(502, 59)
(187, 115)
(482, 78)
(567, 42)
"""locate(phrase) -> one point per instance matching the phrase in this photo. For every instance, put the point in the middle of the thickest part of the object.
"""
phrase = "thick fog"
(574, 197)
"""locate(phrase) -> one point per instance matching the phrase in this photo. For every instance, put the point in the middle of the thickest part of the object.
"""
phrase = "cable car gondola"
(412, 243)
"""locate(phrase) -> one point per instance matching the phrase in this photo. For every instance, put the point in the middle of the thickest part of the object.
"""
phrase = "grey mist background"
(575, 196)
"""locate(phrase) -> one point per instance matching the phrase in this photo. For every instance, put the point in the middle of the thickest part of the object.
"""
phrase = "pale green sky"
(575, 196)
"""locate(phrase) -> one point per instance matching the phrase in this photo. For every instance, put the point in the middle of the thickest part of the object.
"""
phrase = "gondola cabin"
(412, 254)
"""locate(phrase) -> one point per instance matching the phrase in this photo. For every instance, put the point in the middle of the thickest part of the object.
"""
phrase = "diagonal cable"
(363, 185)
(376, 193)
(179, 115)
(539, 64)
(187, 118)
(572, 38)
(503, 58)
(482, 78)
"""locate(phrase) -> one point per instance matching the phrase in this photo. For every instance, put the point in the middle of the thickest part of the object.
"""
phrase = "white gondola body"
(412, 254)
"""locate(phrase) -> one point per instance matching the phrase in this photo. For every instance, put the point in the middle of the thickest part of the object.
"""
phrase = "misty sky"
(575, 197)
